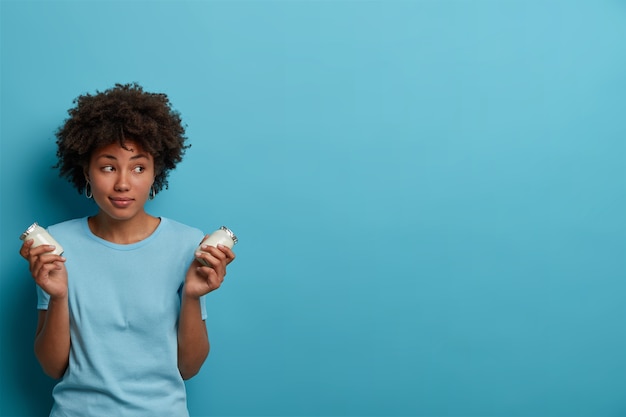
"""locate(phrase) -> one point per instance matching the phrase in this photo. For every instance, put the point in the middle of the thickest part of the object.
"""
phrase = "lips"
(121, 202)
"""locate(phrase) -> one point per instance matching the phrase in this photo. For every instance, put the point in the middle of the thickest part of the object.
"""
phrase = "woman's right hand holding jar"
(47, 269)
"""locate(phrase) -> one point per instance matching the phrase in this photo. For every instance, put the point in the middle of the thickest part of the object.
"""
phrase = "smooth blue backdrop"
(430, 195)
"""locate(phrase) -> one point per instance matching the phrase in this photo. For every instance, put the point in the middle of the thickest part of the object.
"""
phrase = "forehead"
(131, 149)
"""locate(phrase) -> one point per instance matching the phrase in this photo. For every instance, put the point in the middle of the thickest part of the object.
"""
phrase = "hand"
(200, 279)
(47, 269)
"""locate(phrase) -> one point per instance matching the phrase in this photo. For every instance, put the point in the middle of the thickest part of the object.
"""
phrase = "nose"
(121, 183)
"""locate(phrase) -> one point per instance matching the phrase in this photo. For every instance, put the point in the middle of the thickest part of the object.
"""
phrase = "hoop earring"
(152, 193)
(88, 191)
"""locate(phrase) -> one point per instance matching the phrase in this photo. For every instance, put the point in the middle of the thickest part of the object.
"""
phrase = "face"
(121, 179)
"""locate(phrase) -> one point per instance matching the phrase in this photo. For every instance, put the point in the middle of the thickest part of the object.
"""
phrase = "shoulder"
(179, 229)
(68, 226)
(70, 232)
(175, 239)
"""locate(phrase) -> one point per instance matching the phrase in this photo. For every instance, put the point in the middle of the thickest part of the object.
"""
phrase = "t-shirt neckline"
(119, 246)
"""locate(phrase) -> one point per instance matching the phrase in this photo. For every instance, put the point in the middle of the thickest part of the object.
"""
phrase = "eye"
(107, 168)
(139, 169)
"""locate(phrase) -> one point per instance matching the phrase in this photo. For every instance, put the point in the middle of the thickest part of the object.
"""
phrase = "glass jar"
(222, 236)
(41, 237)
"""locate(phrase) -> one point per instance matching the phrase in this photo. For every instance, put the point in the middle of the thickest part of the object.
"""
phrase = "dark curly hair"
(124, 112)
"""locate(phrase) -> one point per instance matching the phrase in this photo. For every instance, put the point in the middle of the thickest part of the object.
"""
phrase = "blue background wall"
(430, 195)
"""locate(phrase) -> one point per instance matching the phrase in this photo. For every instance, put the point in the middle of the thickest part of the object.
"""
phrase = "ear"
(86, 173)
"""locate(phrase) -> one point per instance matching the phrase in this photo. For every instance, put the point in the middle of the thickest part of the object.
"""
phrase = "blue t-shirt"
(124, 304)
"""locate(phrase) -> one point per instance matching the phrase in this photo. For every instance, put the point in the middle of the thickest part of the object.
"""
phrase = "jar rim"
(28, 231)
(230, 233)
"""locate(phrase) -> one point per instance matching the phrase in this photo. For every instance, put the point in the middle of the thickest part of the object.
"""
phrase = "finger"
(213, 252)
(211, 277)
(38, 261)
(52, 258)
(230, 255)
(208, 259)
(25, 248)
(202, 258)
(58, 265)
(42, 272)
(214, 267)
(224, 254)
(215, 279)
(41, 249)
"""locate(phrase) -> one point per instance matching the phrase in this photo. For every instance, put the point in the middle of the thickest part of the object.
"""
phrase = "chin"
(120, 216)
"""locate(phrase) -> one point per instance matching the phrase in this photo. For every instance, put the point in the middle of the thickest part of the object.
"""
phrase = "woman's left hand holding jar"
(200, 279)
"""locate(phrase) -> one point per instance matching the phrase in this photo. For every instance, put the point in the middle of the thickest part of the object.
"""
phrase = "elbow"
(53, 368)
(188, 372)
(186, 375)
(55, 372)
(189, 369)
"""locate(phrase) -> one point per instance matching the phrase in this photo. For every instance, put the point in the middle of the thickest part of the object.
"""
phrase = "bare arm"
(193, 339)
(52, 339)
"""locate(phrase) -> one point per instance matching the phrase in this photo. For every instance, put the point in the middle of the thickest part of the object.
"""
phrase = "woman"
(121, 312)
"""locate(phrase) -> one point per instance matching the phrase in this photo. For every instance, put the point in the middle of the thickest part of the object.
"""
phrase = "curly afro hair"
(124, 112)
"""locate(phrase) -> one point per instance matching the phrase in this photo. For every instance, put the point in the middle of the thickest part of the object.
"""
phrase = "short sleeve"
(203, 307)
(202, 303)
(43, 299)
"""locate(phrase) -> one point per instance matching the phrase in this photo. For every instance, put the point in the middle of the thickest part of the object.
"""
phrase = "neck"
(123, 232)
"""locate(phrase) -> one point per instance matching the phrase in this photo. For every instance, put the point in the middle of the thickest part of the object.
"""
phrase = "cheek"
(144, 185)
(98, 185)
